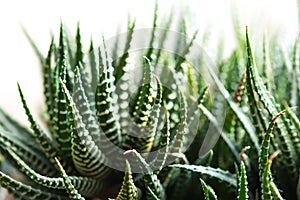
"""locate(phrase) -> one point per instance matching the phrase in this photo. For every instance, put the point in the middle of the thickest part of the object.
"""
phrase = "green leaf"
(241, 116)
(47, 73)
(128, 189)
(218, 174)
(270, 104)
(41, 138)
(16, 130)
(145, 101)
(121, 62)
(23, 191)
(243, 184)
(177, 142)
(87, 157)
(152, 37)
(85, 108)
(153, 196)
(31, 155)
(275, 191)
(265, 146)
(163, 37)
(73, 193)
(62, 126)
(269, 189)
(62, 59)
(181, 39)
(86, 186)
(209, 193)
(79, 56)
(144, 113)
(106, 107)
(294, 92)
(192, 119)
(163, 146)
(94, 67)
(266, 191)
(150, 179)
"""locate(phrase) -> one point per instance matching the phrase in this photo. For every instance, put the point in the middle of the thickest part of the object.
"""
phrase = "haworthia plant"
(106, 138)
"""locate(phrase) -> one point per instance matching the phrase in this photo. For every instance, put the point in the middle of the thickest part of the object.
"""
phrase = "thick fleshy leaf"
(243, 184)
(177, 142)
(150, 179)
(143, 120)
(35, 157)
(73, 193)
(163, 147)
(106, 106)
(86, 186)
(265, 146)
(23, 191)
(87, 157)
(218, 174)
(209, 193)
(128, 190)
(41, 137)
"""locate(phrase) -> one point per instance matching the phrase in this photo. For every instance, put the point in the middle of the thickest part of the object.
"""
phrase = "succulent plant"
(113, 131)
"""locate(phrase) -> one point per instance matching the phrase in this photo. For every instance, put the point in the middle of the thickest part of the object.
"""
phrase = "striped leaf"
(73, 193)
(150, 179)
(142, 111)
(28, 154)
(87, 157)
(85, 108)
(47, 73)
(62, 126)
(238, 112)
(177, 142)
(105, 105)
(41, 138)
(16, 130)
(163, 147)
(128, 190)
(147, 133)
(86, 186)
(23, 191)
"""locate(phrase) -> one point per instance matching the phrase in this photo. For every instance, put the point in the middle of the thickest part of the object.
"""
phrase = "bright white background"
(19, 63)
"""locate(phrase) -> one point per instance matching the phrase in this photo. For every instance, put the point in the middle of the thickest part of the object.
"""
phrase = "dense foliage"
(91, 108)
